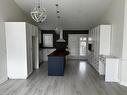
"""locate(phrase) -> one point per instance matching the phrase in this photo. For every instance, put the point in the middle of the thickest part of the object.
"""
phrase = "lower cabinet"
(109, 66)
(112, 69)
(56, 65)
(102, 63)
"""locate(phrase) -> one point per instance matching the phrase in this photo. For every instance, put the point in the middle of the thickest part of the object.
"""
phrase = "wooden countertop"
(59, 53)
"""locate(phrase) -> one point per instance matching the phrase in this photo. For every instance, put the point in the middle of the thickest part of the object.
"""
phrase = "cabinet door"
(105, 38)
(112, 70)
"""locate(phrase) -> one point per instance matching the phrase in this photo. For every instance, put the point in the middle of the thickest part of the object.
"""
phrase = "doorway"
(83, 43)
(77, 45)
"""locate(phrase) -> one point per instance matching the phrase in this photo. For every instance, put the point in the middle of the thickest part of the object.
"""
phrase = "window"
(83, 46)
(90, 39)
(47, 40)
(82, 38)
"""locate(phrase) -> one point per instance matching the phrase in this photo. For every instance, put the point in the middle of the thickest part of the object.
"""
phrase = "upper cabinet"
(101, 39)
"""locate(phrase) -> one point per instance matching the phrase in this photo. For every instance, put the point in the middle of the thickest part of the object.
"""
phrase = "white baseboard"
(18, 77)
(78, 57)
(123, 83)
(3, 79)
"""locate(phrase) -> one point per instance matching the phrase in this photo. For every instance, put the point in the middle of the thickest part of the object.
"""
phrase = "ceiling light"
(38, 14)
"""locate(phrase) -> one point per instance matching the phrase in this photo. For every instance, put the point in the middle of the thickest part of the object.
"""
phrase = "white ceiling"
(76, 14)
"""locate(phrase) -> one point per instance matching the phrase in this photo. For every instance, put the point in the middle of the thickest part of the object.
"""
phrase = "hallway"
(80, 79)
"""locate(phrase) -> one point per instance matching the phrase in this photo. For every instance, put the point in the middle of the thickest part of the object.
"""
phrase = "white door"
(83, 46)
(76, 46)
(73, 44)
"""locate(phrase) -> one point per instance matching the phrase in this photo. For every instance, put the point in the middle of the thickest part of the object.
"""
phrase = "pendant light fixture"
(58, 29)
(38, 14)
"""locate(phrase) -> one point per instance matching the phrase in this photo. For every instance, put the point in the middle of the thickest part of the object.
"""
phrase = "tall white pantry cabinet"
(19, 49)
(101, 41)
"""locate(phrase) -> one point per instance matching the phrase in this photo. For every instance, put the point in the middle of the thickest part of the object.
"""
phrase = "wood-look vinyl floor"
(80, 79)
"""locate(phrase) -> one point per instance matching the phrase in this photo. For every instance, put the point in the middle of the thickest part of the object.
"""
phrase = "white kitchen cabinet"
(19, 49)
(109, 66)
(101, 38)
(112, 69)
(45, 53)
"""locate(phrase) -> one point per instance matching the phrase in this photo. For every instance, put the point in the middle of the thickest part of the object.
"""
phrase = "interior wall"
(123, 76)
(115, 16)
(9, 11)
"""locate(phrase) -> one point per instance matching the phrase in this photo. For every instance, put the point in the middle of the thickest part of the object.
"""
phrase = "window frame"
(48, 42)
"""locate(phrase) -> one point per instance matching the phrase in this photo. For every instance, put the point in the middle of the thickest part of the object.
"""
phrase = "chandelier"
(38, 14)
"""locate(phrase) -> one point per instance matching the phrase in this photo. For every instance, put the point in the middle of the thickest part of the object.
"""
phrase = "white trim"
(78, 57)
(3, 79)
(123, 83)
(19, 77)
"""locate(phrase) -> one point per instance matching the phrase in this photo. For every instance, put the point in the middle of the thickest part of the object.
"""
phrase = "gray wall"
(3, 66)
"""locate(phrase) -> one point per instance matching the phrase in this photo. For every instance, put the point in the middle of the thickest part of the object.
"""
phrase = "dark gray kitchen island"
(56, 62)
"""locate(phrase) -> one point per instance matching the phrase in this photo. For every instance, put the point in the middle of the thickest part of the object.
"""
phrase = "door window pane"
(83, 46)
(47, 40)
